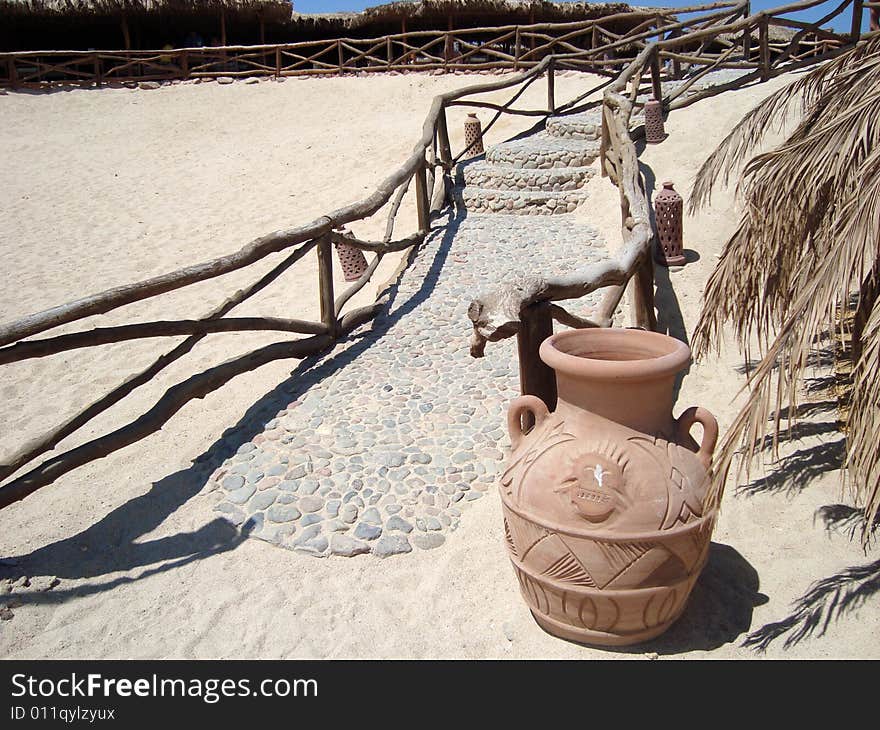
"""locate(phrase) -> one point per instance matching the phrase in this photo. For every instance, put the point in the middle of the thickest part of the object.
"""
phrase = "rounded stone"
(311, 503)
(283, 513)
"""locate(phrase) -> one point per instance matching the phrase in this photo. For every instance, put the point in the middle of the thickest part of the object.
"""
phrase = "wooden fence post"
(642, 288)
(764, 40)
(516, 51)
(676, 64)
(277, 62)
(747, 34)
(656, 86)
(339, 53)
(443, 138)
(535, 376)
(99, 77)
(325, 281)
(422, 203)
(388, 50)
(551, 89)
(857, 11)
(184, 64)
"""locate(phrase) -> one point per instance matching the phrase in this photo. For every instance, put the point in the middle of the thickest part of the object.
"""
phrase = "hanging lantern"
(473, 139)
(654, 131)
(668, 212)
(352, 259)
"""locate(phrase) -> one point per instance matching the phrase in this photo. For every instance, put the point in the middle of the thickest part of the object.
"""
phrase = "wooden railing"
(429, 169)
(588, 45)
(525, 307)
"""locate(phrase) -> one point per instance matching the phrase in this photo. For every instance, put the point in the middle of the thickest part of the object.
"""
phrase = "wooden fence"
(428, 169)
(526, 308)
(586, 45)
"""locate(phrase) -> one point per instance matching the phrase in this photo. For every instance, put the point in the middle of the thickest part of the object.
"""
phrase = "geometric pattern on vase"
(473, 140)
(668, 212)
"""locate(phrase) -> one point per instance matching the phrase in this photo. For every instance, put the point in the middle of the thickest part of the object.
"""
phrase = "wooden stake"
(422, 202)
(535, 376)
(747, 34)
(339, 54)
(443, 145)
(325, 281)
(516, 51)
(551, 89)
(764, 40)
(643, 295)
(656, 86)
(857, 10)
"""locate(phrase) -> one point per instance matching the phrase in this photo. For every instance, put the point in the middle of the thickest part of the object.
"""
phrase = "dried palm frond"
(807, 238)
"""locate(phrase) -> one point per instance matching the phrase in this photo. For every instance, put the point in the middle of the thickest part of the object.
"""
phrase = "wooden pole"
(389, 51)
(857, 11)
(422, 202)
(443, 145)
(184, 64)
(325, 281)
(535, 376)
(516, 52)
(13, 72)
(98, 75)
(676, 64)
(764, 41)
(642, 287)
(277, 62)
(126, 36)
(656, 86)
(339, 54)
(551, 89)
(747, 34)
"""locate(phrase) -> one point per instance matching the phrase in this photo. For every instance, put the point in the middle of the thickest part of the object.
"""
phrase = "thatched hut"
(124, 24)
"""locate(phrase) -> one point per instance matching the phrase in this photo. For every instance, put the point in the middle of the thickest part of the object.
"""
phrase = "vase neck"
(644, 406)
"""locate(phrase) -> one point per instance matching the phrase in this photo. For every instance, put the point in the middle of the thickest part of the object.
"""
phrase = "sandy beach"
(104, 187)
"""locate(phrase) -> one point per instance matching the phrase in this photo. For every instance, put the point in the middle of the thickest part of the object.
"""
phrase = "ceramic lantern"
(352, 259)
(654, 131)
(603, 499)
(668, 212)
(472, 135)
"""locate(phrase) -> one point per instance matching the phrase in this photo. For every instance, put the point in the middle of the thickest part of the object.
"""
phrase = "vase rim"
(614, 355)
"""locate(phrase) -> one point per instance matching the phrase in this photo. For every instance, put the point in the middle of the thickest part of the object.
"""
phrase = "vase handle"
(518, 406)
(710, 431)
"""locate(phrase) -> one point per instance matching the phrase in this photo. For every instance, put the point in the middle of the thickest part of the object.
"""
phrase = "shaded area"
(111, 544)
(719, 609)
(826, 600)
(796, 471)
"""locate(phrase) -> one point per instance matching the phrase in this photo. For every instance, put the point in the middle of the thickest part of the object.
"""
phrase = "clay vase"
(603, 498)
(472, 139)
(669, 214)
(654, 129)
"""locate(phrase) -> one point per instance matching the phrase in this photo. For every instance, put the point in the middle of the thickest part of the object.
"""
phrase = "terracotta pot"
(603, 498)
(669, 214)
(654, 129)
(472, 139)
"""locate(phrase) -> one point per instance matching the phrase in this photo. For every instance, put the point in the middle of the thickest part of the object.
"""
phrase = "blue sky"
(840, 23)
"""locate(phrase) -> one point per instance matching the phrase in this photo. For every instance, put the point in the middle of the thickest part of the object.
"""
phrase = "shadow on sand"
(113, 544)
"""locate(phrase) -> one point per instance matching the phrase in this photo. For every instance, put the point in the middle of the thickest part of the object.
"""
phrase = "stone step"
(583, 126)
(482, 174)
(542, 151)
(516, 202)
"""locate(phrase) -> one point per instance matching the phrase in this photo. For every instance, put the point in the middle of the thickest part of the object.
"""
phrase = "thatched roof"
(514, 8)
(433, 14)
(280, 9)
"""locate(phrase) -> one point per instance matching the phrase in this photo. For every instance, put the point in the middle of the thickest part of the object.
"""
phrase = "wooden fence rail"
(526, 311)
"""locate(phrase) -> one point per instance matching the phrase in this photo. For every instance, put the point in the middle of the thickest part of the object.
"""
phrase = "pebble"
(398, 523)
(388, 545)
(348, 513)
(283, 513)
(311, 503)
(367, 531)
(428, 541)
(263, 500)
(347, 546)
(242, 495)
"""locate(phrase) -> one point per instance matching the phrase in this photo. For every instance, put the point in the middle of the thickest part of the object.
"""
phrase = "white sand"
(105, 187)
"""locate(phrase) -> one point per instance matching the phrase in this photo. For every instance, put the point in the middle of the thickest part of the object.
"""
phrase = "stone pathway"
(389, 437)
